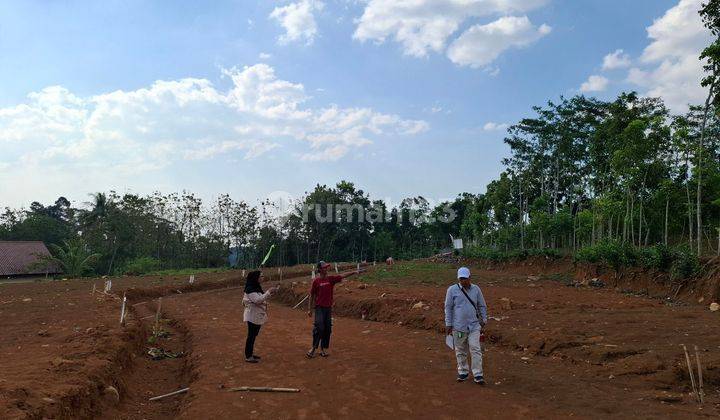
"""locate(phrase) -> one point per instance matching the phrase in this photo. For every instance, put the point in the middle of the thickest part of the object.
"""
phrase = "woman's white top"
(255, 307)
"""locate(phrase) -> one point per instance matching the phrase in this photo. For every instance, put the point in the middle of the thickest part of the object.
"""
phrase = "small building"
(23, 259)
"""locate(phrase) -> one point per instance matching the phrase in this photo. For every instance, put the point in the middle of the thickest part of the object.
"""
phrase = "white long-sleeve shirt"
(460, 313)
(255, 307)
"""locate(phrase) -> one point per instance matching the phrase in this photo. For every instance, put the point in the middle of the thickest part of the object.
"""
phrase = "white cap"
(464, 272)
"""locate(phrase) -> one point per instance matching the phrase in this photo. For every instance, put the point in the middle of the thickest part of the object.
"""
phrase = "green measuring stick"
(267, 255)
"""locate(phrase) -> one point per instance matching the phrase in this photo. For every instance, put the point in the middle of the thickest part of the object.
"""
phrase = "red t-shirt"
(322, 288)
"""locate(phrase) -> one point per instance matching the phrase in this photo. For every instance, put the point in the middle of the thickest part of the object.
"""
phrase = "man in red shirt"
(321, 300)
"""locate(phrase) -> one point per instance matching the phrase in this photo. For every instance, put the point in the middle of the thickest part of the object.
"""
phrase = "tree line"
(584, 176)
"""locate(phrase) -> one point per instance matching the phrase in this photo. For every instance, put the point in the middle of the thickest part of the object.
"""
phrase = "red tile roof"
(16, 257)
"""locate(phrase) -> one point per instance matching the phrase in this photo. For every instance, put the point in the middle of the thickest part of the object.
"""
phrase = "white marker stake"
(192, 279)
(243, 272)
(122, 310)
(93, 290)
(373, 263)
(157, 316)
(358, 267)
(313, 274)
(336, 268)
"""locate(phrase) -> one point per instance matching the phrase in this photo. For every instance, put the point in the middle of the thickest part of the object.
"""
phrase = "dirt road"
(381, 370)
(555, 351)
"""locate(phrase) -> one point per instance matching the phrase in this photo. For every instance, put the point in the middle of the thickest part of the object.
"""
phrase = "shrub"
(686, 263)
(659, 257)
(681, 261)
(612, 253)
(588, 254)
(517, 255)
(74, 258)
(141, 265)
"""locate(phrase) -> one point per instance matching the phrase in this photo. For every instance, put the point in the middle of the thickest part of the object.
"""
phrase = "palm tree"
(74, 258)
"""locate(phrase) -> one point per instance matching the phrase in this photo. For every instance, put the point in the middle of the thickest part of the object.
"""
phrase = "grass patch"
(564, 278)
(411, 272)
(187, 271)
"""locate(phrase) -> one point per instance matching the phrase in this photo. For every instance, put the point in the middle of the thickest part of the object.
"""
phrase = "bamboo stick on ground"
(262, 389)
(300, 303)
(701, 392)
(179, 391)
(690, 372)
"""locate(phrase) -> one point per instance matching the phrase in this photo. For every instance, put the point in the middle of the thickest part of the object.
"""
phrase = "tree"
(73, 258)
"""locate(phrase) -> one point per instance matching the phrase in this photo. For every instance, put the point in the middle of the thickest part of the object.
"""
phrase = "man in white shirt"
(465, 316)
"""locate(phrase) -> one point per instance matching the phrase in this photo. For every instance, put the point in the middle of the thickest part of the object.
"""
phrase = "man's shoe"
(310, 354)
(256, 357)
(462, 377)
(479, 380)
(251, 360)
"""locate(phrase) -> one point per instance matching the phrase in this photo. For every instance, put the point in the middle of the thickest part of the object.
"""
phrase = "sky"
(269, 98)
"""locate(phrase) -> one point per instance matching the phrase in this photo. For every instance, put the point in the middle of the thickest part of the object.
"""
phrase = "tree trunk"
(632, 219)
(690, 213)
(667, 206)
(640, 225)
(699, 170)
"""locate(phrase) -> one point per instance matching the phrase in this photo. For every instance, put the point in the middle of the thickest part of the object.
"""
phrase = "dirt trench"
(153, 376)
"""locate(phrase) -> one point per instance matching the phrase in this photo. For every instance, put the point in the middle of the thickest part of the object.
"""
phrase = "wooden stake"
(701, 392)
(690, 371)
(157, 316)
(300, 303)
(263, 389)
(179, 391)
(122, 310)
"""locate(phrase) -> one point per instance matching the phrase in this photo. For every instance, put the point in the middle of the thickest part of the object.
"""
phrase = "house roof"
(17, 258)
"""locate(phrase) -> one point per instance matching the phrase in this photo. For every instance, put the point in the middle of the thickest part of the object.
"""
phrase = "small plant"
(612, 253)
(74, 258)
(685, 264)
(141, 265)
(659, 257)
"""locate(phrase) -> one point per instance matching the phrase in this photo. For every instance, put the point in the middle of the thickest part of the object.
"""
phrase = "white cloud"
(298, 20)
(264, 56)
(480, 45)
(670, 66)
(493, 126)
(128, 132)
(616, 60)
(594, 83)
(424, 26)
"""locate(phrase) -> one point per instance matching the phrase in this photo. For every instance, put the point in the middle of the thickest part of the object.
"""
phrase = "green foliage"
(612, 253)
(495, 255)
(413, 272)
(73, 258)
(681, 261)
(658, 257)
(141, 265)
(188, 271)
(685, 263)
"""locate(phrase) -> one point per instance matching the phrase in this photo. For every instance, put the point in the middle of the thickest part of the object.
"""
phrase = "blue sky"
(402, 98)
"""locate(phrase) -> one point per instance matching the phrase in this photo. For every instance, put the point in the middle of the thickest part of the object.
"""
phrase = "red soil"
(554, 351)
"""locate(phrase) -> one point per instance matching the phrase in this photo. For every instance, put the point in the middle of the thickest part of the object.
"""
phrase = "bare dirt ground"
(554, 351)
